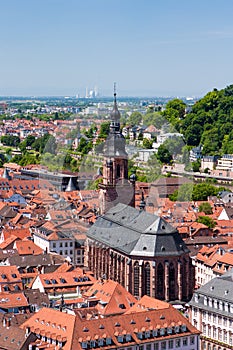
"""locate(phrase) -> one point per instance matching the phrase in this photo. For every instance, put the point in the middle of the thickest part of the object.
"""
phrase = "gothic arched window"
(118, 173)
(172, 286)
(146, 279)
(160, 281)
(136, 278)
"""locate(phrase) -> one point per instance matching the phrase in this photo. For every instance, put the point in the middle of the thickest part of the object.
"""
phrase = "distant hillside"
(210, 122)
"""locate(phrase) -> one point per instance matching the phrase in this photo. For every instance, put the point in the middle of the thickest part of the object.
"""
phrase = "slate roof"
(135, 232)
(220, 288)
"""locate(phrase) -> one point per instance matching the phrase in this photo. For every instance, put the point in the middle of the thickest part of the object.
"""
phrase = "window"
(203, 315)
(101, 342)
(225, 337)
(148, 346)
(128, 337)
(172, 281)
(204, 329)
(71, 244)
(195, 312)
(209, 331)
(225, 321)
(61, 245)
(108, 341)
(177, 343)
(147, 334)
(66, 244)
(170, 344)
(54, 245)
(219, 319)
(120, 339)
(192, 340)
(160, 280)
(163, 345)
(209, 316)
(185, 341)
(214, 333)
(162, 331)
(146, 281)
(230, 339)
(136, 279)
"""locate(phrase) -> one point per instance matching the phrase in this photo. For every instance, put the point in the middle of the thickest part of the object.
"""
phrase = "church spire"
(115, 115)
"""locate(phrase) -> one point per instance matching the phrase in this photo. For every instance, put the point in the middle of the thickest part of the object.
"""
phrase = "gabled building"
(155, 329)
(10, 279)
(56, 284)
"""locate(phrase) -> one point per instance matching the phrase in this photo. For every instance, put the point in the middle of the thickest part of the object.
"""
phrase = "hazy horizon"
(162, 48)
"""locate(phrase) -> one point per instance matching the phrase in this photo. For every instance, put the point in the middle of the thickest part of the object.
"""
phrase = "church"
(141, 251)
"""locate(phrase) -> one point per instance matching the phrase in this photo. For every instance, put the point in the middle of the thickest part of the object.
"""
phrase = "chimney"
(8, 322)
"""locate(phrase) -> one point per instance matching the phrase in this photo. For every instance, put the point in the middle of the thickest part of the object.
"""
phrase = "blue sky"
(149, 47)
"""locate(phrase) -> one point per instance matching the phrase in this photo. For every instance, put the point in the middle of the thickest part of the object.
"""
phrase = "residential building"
(195, 153)
(209, 162)
(225, 162)
(146, 328)
(69, 284)
(166, 136)
(212, 313)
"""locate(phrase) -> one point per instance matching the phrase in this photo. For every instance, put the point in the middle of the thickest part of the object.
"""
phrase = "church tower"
(116, 188)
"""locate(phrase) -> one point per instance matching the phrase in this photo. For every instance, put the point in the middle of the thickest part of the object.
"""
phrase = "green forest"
(209, 123)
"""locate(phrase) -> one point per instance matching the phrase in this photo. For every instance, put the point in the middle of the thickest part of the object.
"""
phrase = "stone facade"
(139, 255)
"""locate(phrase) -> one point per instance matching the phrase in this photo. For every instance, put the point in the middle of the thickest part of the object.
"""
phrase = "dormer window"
(100, 342)
(162, 331)
(14, 275)
(139, 335)
(147, 334)
(128, 337)
(108, 341)
(3, 276)
(120, 339)
(169, 330)
(183, 328)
